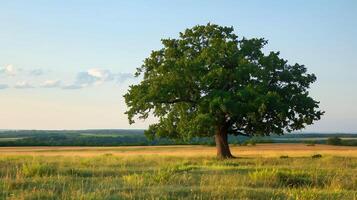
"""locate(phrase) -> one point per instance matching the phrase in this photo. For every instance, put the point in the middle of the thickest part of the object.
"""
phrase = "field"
(136, 137)
(264, 171)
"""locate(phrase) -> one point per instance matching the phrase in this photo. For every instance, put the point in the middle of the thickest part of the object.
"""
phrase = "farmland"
(125, 137)
(263, 171)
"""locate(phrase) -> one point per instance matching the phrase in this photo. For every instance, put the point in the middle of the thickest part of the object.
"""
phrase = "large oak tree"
(210, 82)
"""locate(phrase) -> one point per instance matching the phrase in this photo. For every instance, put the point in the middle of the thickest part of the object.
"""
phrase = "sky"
(67, 64)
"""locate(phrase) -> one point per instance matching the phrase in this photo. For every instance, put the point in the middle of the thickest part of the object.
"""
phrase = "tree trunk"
(222, 146)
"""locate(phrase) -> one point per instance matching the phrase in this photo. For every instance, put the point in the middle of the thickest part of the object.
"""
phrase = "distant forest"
(124, 137)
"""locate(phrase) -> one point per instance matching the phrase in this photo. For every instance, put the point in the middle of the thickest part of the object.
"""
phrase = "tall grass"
(169, 177)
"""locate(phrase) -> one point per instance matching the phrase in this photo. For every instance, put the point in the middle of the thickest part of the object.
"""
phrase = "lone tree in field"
(208, 82)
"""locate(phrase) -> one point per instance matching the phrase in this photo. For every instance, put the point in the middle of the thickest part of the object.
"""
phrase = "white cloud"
(8, 70)
(12, 71)
(84, 79)
(121, 77)
(96, 77)
(3, 86)
(91, 77)
(36, 72)
(51, 83)
(72, 87)
(23, 85)
(100, 74)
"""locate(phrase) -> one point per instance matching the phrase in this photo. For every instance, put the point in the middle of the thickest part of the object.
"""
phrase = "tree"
(334, 140)
(210, 83)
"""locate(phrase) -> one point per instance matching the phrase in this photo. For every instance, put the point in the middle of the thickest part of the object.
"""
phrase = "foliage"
(209, 79)
(37, 169)
(316, 156)
(123, 137)
(310, 143)
(334, 141)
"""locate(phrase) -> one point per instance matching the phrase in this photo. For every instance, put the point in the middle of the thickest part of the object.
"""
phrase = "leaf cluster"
(209, 78)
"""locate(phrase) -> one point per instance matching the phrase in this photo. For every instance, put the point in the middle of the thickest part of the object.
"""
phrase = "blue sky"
(66, 64)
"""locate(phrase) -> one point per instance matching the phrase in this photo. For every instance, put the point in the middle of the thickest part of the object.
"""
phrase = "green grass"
(168, 177)
(98, 135)
(11, 139)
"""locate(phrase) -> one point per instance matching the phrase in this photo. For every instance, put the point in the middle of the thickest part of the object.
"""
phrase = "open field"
(124, 137)
(261, 150)
(265, 171)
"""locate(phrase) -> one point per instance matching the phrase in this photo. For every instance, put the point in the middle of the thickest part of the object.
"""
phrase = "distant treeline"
(123, 137)
(86, 138)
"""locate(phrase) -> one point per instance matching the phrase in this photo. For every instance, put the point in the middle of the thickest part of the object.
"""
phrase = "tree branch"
(177, 101)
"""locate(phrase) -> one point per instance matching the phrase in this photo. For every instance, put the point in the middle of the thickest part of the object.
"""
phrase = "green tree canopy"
(210, 82)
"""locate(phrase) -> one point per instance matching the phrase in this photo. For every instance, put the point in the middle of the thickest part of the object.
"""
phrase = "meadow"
(264, 171)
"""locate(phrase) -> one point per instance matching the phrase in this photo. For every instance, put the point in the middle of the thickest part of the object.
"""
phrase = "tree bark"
(222, 146)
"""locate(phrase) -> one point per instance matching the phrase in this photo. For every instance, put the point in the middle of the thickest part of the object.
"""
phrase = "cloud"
(12, 71)
(23, 85)
(85, 79)
(51, 83)
(94, 76)
(72, 87)
(121, 77)
(36, 72)
(100, 74)
(89, 78)
(3, 86)
(8, 70)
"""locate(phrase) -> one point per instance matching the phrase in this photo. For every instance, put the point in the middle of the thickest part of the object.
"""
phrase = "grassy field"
(265, 171)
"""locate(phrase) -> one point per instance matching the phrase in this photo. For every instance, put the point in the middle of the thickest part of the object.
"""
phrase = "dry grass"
(261, 150)
(267, 171)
